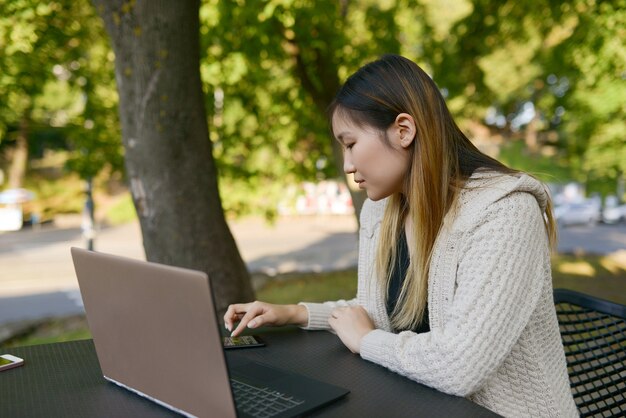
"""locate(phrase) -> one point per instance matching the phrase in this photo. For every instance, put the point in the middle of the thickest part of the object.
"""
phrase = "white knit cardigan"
(494, 336)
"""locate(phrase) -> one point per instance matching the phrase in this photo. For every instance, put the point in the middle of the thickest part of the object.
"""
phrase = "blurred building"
(326, 197)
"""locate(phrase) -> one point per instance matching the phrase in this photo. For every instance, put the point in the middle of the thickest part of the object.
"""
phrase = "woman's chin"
(372, 195)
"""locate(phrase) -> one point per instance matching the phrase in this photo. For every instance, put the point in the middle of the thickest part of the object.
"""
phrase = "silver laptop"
(156, 333)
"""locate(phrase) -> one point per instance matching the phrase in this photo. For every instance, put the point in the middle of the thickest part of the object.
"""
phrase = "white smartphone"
(7, 361)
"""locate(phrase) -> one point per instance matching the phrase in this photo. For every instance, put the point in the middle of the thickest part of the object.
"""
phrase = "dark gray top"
(397, 279)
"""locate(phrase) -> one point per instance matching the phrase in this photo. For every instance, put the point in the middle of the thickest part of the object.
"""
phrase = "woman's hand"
(257, 313)
(351, 324)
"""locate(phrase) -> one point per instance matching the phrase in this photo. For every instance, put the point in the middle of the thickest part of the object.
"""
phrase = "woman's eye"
(349, 146)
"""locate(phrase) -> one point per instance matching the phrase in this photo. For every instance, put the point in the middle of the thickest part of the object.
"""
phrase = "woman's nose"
(348, 167)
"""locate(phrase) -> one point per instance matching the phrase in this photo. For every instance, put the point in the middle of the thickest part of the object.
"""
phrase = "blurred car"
(587, 212)
(613, 215)
(12, 215)
(13, 196)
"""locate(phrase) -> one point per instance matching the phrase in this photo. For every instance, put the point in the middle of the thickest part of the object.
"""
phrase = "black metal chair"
(594, 336)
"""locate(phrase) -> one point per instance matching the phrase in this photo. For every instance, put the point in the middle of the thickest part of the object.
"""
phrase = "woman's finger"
(234, 313)
(253, 311)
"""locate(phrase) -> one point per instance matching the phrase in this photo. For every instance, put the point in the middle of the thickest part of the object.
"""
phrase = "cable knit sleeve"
(501, 269)
(320, 312)
(371, 213)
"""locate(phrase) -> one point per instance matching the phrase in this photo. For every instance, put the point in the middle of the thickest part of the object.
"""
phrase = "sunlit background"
(539, 85)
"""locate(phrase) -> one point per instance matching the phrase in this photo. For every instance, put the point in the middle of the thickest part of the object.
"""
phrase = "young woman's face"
(378, 168)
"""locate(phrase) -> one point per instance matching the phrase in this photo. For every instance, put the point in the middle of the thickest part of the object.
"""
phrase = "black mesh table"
(65, 380)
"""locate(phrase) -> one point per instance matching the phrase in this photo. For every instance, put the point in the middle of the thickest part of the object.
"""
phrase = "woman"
(454, 281)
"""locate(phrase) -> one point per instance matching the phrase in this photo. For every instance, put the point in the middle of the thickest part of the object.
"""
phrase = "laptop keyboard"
(261, 402)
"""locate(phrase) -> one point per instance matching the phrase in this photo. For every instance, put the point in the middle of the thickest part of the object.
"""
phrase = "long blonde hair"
(442, 159)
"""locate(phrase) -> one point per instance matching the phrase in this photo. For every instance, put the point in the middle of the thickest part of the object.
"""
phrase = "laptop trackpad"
(253, 371)
(281, 380)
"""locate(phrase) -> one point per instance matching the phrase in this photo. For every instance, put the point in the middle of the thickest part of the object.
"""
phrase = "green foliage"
(56, 195)
(56, 73)
(123, 211)
(94, 135)
(548, 169)
(567, 58)
(277, 64)
(271, 67)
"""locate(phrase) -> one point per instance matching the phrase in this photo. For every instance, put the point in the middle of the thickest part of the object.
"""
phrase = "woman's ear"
(405, 127)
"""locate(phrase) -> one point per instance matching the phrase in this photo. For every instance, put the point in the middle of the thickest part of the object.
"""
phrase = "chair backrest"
(594, 337)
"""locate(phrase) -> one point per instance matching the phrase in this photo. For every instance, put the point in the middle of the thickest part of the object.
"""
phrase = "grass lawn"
(286, 288)
(600, 276)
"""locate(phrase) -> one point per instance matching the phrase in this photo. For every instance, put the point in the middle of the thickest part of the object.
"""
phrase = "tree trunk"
(169, 159)
(19, 154)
